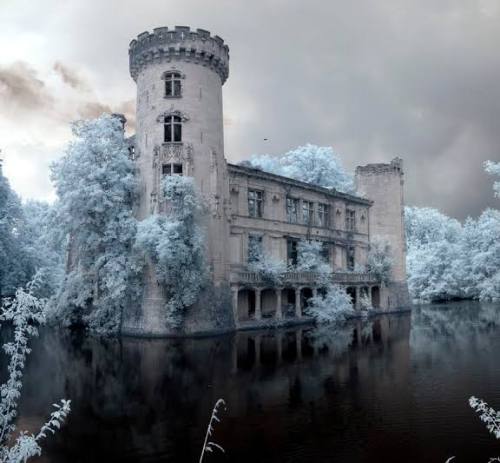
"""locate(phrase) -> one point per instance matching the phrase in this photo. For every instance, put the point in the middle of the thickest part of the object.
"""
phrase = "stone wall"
(384, 185)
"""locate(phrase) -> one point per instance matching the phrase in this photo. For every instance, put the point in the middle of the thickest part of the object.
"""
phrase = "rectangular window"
(171, 169)
(323, 218)
(254, 248)
(291, 252)
(325, 252)
(350, 220)
(292, 210)
(350, 258)
(255, 203)
(307, 212)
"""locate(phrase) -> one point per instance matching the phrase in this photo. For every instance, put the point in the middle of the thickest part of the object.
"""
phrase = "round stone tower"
(179, 75)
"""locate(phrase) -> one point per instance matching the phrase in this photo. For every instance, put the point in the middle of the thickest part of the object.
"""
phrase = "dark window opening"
(291, 252)
(173, 129)
(350, 258)
(171, 169)
(172, 84)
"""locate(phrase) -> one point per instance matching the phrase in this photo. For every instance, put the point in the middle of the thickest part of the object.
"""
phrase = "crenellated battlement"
(180, 43)
(395, 166)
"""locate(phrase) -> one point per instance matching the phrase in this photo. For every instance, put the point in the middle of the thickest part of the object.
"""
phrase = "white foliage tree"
(334, 306)
(15, 267)
(331, 304)
(481, 252)
(24, 312)
(45, 251)
(317, 165)
(493, 168)
(446, 260)
(434, 251)
(310, 258)
(174, 242)
(379, 261)
(96, 185)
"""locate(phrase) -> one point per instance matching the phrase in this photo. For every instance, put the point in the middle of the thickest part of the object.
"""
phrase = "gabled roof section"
(262, 174)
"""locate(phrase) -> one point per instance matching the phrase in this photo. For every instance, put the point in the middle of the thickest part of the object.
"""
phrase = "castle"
(179, 75)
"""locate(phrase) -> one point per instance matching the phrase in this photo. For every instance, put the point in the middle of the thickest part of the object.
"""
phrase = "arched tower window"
(172, 129)
(173, 88)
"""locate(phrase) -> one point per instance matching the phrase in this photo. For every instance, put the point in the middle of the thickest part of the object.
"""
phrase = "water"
(393, 389)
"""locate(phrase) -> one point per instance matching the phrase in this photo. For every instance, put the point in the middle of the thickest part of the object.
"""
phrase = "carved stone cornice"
(172, 112)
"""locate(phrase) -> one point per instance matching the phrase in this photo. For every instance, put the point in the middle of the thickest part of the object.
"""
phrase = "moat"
(392, 388)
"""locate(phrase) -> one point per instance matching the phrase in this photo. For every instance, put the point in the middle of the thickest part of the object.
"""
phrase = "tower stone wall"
(384, 185)
(201, 62)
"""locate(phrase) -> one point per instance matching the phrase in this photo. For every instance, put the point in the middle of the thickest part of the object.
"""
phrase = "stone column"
(279, 308)
(297, 303)
(258, 311)
(315, 292)
(235, 305)
(357, 292)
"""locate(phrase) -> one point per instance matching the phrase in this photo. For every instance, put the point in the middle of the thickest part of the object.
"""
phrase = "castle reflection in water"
(144, 399)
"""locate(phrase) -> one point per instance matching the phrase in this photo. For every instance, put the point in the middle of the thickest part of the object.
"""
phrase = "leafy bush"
(175, 245)
(24, 312)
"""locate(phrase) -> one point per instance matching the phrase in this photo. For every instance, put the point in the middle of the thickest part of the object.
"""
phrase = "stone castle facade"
(179, 75)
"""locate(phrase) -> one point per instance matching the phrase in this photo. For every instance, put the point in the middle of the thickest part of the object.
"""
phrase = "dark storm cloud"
(21, 88)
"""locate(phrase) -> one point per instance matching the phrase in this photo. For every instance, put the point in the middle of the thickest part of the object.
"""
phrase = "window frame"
(351, 258)
(323, 215)
(257, 244)
(350, 220)
(172, 129)
(173, 79)
(307, 212)
(292, 209)
(171, 167)
(292, 255)
(255, 202)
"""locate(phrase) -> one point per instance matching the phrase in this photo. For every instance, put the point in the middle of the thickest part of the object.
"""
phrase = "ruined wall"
(384, 185)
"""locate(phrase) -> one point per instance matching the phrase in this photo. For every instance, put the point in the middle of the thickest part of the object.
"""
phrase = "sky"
(373, 79)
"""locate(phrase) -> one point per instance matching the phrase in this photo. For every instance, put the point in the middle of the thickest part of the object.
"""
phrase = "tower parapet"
(181, 43)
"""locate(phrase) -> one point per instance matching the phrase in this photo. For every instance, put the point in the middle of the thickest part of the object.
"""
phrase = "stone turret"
(179, 75)
(384, 185)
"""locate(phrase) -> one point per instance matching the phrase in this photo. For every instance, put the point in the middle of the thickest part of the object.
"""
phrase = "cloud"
(21, 88)
(372, 79)
(93, 109)
(70, 77)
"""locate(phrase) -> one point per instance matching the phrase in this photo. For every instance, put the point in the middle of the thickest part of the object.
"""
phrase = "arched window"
(172, 84)
(173, 129)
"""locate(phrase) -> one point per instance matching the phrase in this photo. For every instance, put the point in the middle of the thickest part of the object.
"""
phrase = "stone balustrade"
(307, 278)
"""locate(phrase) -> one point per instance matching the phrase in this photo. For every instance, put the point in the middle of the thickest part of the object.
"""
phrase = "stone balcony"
(303, 278)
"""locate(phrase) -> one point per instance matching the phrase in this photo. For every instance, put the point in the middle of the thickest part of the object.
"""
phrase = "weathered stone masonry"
(179, 75)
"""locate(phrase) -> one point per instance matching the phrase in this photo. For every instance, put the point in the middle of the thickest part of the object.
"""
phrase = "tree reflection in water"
(361, 392)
